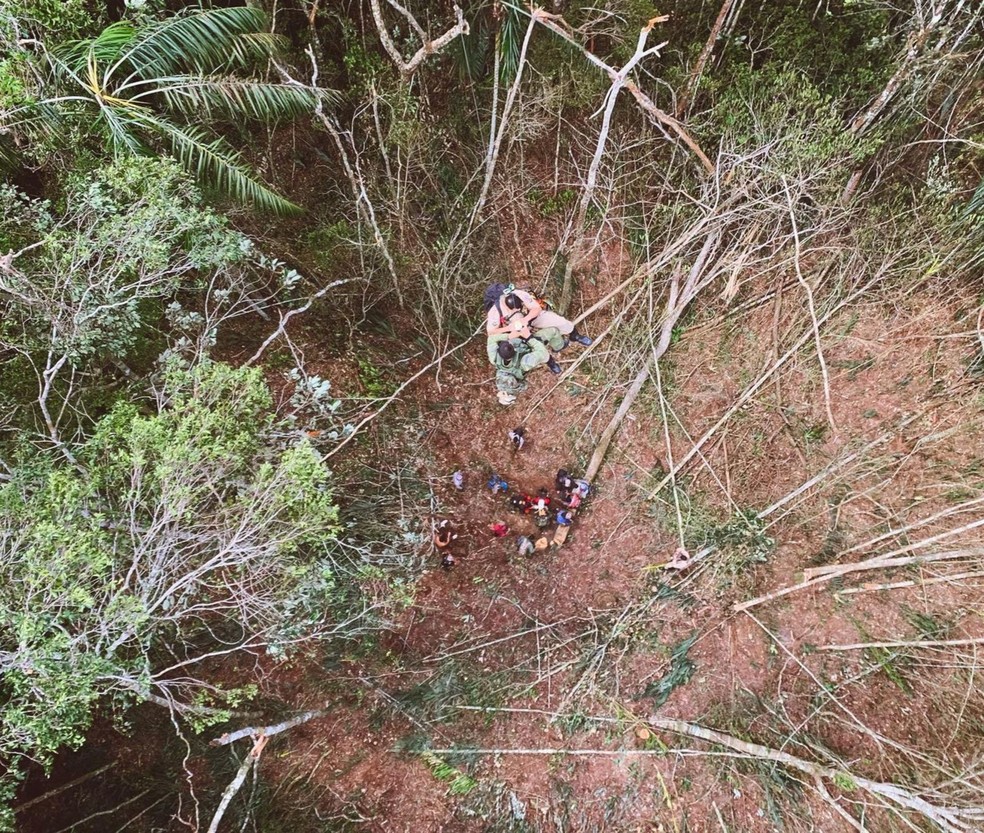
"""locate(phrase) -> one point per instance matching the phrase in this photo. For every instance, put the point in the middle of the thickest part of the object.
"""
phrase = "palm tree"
(141, 87)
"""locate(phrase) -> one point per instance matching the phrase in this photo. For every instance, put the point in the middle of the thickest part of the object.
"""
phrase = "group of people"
(543, 509)
(521, 333)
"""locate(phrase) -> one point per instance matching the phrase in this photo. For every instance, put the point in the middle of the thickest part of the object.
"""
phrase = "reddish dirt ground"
(539, 622)
(581, 632)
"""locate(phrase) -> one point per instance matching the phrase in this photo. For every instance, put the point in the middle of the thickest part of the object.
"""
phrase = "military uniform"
(510, 377)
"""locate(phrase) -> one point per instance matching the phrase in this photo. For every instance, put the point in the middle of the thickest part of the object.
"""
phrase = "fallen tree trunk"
(677, 302)
(901, 799)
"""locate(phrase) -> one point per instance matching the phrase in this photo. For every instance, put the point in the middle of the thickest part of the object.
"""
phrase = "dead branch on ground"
(644, 101)
(249, 762)
(949, 818)
(879, 563)
(393, 396)
(267, 731)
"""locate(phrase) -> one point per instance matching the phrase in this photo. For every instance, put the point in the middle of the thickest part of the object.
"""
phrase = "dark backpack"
(492, 294)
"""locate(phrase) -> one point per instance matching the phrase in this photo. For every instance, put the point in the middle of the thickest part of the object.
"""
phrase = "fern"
(458, 783)
(680, 672)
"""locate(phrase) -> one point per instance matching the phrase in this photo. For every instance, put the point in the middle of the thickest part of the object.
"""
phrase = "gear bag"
(493, 292)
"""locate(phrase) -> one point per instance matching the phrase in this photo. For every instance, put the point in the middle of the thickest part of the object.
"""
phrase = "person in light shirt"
(518, 310)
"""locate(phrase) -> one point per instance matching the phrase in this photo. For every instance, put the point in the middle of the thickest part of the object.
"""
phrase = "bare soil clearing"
(582, 632)
(552, 662)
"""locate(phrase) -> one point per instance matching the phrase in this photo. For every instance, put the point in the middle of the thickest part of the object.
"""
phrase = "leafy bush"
(784, 115)
(180, 535)
(129, 232)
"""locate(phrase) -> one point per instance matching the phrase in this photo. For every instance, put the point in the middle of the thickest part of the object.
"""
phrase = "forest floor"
(512, 694)
(552, 662)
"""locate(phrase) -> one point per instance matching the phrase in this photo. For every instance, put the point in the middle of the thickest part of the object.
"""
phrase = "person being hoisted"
(515, 309)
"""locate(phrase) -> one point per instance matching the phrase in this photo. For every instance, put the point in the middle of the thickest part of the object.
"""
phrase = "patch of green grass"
(888, 661)
(373, 382)
(666, 593)
(927, 626)
(815, 434)
(569, 724)
(551, 205)
(738, 542)
(454, 684)
(680, 671)
(458, 782)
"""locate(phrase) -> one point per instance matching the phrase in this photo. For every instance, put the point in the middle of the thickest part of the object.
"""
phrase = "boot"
(552, 365)
(583, 340)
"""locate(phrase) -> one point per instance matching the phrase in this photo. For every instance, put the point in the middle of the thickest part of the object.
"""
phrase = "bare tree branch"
(407, 68)
(236, 784)
(644, 101)
(684, 100)
(268, 731)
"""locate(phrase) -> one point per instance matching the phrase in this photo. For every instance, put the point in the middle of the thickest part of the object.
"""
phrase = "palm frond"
(237, 97)
(470, 52)
(122, 127)
(203, 41)
(509, 42)
(31, 120)
(105, 48)
(29, 125)
(217, 165)
(10, 155)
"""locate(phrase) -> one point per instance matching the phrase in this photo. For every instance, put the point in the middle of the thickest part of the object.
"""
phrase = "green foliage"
(781, 110)
(175, 529)
(362, 67)
(13, 91)
(679, 673)
(470, 52)
(454, 684)
(552, 205)
(54, 20)
(126, 86)
(857, 48)
(372, 379)
(509, 40)
(331, 245)
(891, 663)
(129, 232)
(745, 533)
(458, 782)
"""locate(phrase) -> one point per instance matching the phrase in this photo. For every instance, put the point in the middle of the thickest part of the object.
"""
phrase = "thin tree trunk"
(574, 255)
(236, 784)
(676, 304)
(492, 155)
(684, 100)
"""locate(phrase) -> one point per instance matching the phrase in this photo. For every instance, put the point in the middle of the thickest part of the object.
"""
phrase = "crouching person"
(514, 357)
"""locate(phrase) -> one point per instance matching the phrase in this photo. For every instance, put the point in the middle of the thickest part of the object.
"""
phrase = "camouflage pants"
(506, 382)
